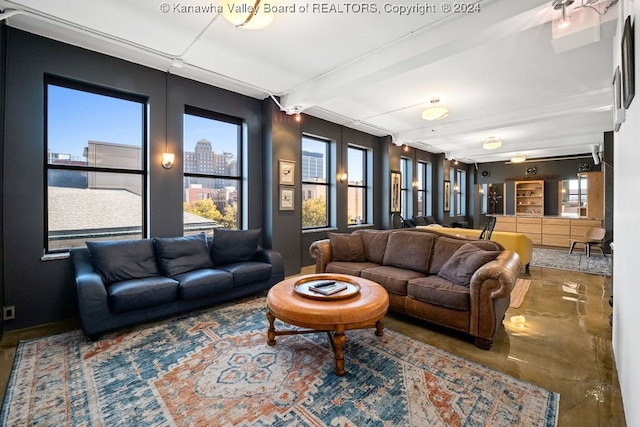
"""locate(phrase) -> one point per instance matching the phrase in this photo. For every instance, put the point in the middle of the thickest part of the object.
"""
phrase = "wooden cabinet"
(556, 232)
(531, 227)
(529, 198)
(547, 231)
(592, 184)
(505, 223)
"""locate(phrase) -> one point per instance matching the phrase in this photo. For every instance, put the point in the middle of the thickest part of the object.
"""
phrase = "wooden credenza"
(547, 231)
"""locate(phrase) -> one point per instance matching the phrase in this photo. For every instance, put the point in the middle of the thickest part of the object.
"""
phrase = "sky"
(76, 117)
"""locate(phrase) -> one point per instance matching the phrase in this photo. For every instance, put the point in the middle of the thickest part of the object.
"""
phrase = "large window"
(95, 165)
(405, 187)
(461, 192)
(212, 171)
(315, 185)
(357, 191)
(424, 189)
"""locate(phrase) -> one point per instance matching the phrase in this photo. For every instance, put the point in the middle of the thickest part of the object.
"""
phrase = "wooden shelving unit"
(529, 198)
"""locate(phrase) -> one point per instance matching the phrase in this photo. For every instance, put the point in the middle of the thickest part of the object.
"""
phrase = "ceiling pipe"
(6, 14)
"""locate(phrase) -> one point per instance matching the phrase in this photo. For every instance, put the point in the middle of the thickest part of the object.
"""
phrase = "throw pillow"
(419, 220)
(229, 246)
(178, 255)
(123, 259)
(346, 247)
(464, 262)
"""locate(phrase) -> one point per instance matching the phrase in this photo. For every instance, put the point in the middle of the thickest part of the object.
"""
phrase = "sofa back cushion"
(123, 259)
(410, 250)
(178, 255)
(374, 243)
(445, 247)
(464, 262)
(346, 247)
(229, 246)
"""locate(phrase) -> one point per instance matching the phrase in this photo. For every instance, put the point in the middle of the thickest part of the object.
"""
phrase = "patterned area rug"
(577, 261)
(214, 368)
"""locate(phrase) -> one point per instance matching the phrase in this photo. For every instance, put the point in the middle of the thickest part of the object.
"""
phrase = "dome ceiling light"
(492, 143)
(435, 112)
(518, 158)
(246, 14)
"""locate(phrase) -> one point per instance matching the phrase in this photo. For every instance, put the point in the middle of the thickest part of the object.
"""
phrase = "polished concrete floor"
(564, 344)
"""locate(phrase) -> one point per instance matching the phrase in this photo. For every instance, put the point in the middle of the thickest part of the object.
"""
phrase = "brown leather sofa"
(454, 282)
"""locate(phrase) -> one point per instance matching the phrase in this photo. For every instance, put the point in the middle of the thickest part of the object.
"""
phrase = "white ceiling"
(500, 70)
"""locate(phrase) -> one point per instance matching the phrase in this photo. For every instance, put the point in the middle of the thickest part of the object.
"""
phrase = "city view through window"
(96, 167)
(211, 173)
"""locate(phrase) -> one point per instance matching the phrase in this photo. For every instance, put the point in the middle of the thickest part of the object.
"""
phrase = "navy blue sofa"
(122, 283)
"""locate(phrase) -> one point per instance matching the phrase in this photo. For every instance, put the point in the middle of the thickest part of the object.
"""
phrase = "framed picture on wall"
(447, 196)
(287, 172)
(628, 64)
(619, 112)
(286, 198)
(396, 181)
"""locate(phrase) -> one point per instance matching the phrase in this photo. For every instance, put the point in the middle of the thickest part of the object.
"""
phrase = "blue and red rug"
(214, 368)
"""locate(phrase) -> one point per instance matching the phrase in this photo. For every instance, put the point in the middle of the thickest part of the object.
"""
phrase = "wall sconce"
(167, 160)
(481, 190)
(415, 184)
(456, 188)
(343, 177)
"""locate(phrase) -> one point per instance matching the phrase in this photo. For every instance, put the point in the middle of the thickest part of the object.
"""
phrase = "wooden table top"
(286, 304)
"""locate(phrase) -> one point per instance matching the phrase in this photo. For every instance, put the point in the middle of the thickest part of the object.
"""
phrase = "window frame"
(425, 187)
(212, 115)
(460, 193)
(364, 186)
(328, 184)
(52, 80)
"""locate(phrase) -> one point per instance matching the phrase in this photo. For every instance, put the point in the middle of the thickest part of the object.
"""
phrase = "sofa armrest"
(273, 257)
(490, 289)
(93, 300)
(320, 250)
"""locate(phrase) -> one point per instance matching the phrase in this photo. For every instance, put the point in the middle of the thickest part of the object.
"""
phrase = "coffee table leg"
(337, 341)
(379, 328)
(271, 332)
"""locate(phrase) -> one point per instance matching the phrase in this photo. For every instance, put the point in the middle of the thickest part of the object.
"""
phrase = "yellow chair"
(592, 238)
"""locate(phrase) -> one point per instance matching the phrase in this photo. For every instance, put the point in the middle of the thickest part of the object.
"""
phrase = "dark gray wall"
(3, 66)
(44, 290)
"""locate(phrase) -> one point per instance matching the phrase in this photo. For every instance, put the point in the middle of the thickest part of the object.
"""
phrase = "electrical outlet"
(8, 312)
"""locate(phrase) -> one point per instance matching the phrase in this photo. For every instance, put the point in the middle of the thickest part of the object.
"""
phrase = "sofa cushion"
(129, 295)
(248, 272)
(464, 262)
(350, 268)
(439, 291)
(410, 250)
(123, 259)
(229, 246)
(419, 220)
(178, 255)
(393, 279)
(203, 283)
(374, 243)
(446, 246)
(346, 247)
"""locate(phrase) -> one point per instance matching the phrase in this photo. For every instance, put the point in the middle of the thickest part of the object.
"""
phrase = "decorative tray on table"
(325, 288)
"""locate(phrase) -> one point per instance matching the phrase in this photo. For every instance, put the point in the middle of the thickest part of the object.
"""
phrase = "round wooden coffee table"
(291, 302)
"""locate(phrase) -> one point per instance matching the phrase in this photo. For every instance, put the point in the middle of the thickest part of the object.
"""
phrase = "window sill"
(319, 230)
(358, 226)
(54, 257)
